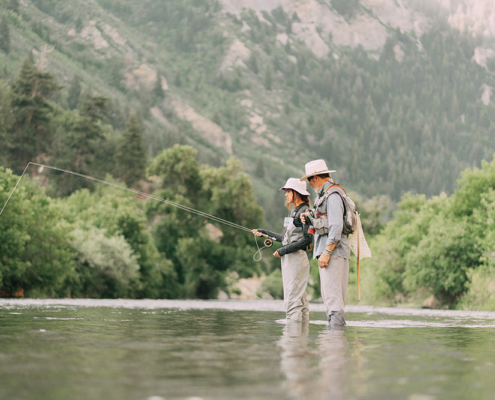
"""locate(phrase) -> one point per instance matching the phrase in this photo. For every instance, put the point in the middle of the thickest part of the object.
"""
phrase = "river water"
(160, 349)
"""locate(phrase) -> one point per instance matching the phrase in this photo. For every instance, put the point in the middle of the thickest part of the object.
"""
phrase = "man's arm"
(335, 215)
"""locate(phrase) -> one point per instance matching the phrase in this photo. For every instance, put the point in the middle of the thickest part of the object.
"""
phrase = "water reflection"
(296, 358)
(333, 363)
(326, 379)
(55, 352)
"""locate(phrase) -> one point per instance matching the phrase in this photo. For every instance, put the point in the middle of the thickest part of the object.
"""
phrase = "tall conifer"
(31, 110)
(14, 5)
(268, 78)
(4, 34)
(131, 155)
(74, 92)
(158, 91)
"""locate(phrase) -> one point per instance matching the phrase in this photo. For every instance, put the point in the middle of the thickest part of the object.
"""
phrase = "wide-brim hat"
(297, 185)
(316, 167)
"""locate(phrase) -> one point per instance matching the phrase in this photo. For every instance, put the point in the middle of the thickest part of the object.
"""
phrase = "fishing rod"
(267, 243)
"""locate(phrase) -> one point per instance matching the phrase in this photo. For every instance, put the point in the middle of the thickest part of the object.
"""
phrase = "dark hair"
(323, 176)
(305, 199)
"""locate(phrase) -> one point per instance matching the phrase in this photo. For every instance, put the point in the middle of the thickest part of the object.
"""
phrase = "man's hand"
(324, 260)
(257, 233)
(277, 255)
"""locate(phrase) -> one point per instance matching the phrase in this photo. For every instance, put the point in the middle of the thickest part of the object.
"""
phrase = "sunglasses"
(310, 178)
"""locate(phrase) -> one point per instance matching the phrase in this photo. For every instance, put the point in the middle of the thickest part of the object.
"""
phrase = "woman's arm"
(301, 244)
(277, 236)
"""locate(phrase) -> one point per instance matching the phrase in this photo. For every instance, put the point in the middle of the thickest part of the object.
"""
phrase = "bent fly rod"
(268, 242)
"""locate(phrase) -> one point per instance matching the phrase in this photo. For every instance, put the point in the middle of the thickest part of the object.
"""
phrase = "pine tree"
(158, 91)
(117, 74)
(131, 155)
(260, 168)
(14, 5)
(4, 34)
(79, 24)
(217, 119)
(178, 80)
(74, 92)
(268, 78)
(253, 62)
(295, 90)
(31, 112)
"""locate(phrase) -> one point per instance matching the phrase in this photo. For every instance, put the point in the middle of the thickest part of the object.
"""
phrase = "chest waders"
(295, 272)
(334, 278)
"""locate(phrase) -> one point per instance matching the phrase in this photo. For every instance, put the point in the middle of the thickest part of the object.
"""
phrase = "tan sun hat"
(316, 167)
(297, 185)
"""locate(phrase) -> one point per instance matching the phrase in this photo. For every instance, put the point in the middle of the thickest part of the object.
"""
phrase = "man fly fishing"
(332, 247)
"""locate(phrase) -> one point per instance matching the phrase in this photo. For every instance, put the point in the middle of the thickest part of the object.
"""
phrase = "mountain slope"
(393, 98)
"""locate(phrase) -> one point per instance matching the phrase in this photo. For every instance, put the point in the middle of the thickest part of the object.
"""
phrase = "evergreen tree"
(178, 80)
(253, 62)
(14, 5)
(131, 154)
(158, 91)
(268, 78)
(4, 34)
(30, 133)
(74, 92)
(117, 74)
(295, 91)
(260, 168)
(5, 120)
(217, 119)
(79, 24)
(77, 148)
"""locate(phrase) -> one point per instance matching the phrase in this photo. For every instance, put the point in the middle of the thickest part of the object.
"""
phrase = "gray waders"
(334, 279)
(295, 274)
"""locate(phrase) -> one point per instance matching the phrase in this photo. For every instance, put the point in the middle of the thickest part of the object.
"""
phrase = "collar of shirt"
(326, 185)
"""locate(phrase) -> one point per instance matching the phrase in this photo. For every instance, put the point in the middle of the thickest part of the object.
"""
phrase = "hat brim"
(316, 173)
(303, 192)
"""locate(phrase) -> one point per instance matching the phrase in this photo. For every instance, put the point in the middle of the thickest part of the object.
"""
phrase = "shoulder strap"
(302, 208)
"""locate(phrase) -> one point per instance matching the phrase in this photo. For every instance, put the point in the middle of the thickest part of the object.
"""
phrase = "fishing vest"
(293, 233)
(320, 220)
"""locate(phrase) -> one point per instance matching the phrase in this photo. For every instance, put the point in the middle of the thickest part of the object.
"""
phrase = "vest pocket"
(321, 225)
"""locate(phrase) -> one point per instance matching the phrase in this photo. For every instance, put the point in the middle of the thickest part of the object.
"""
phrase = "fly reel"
(268, 242)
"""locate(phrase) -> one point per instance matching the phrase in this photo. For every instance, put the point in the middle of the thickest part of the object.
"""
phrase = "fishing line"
(268, 242)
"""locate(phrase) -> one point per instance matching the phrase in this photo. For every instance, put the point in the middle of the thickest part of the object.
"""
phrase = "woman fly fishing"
(296, 241)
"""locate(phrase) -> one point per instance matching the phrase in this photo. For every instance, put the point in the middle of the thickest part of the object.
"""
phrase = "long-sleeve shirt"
(335, 215)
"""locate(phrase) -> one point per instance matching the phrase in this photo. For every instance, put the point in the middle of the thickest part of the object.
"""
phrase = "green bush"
(35, 254)
(106, 266)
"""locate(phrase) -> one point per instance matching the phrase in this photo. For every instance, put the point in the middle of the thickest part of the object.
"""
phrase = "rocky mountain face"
(395, 94)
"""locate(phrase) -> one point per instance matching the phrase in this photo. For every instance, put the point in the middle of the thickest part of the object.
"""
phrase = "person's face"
(289, 195)
(314, 182)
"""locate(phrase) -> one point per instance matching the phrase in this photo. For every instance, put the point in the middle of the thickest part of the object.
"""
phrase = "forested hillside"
(406, 117)
(201, 90)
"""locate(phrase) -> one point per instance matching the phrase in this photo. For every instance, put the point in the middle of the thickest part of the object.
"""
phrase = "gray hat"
(316, 167)
(297, 185)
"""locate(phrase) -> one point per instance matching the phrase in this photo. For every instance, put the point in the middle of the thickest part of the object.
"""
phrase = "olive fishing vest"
(292, 233)
(320, 220)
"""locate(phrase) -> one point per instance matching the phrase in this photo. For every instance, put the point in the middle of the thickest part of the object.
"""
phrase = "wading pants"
(334, 280)
(295, 274)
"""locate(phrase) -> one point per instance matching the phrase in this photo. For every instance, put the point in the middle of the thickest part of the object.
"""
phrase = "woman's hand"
(303, 217)
(277, 255)
(256, 233)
